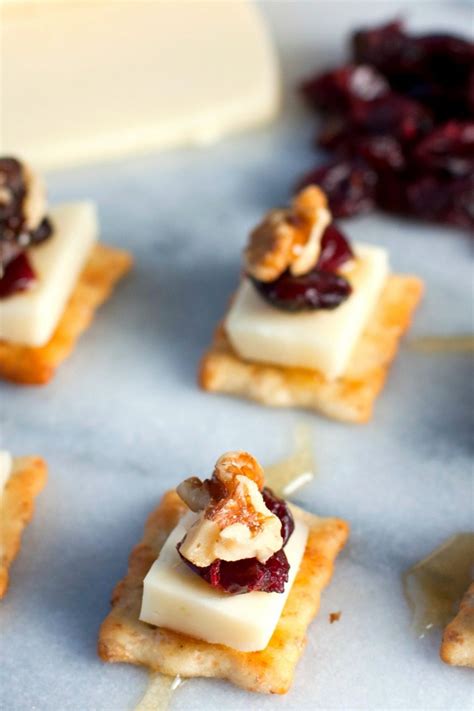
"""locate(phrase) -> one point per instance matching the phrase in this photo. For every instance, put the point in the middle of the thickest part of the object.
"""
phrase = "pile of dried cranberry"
(399, 121)
(242, 576)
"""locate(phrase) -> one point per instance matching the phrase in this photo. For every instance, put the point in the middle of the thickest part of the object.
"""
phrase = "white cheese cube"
(320, 340)
(30, 317)
(176, 598)
(6, 464)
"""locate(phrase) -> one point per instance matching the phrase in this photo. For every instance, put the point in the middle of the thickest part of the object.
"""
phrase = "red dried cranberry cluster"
(242, 576)
(321, 288)
(399, 120)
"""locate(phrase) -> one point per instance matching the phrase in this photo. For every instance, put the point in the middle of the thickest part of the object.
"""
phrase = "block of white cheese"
(113, 78)
(321, 340)
(30, 317)
(6, 464)
(176, 598)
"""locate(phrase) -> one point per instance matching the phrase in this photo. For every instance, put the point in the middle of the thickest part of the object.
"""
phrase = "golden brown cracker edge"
(350, 398)
(457, 647)
(124, 638)
(27, 479)
(35, 366)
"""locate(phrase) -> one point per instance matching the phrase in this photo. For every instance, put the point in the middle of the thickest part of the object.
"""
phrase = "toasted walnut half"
(231, 464)
(197, 494)
(310, 205)
(289, 238)
(234, 523)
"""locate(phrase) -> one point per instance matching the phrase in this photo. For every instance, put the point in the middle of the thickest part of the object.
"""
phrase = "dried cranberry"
(460, 212)
(445, 57)
(392, 115)
(395, 54)
(380, 152)
(13, 243)
(433, 68)
(249, 574)
(41, 233)
(335, 90)
(349, 186)
(449, 147)
(379, 45)
(335, 250)
(280, 508)
(441, 199)
(336, 135)
(13, 184)
(315, 290)
(243, 576)
(18, 276)
(9, 250)
(15, 236)
(387, 48)
(470, 93)
(444, 102)
(391, 192)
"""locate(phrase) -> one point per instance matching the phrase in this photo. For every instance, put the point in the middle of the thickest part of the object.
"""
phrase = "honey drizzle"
(434, 586)
(443, 344)
(289, 474)
(158, 693)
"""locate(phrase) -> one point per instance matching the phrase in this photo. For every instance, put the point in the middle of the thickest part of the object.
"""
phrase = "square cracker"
(27, 479)
(457, 647)
(124, 638)
(350, 398)
(34, 366)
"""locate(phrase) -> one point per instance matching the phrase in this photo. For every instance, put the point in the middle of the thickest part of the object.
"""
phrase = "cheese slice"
(6, 463)
(320, 340)
(30, 317)
(113, 78)
(176, 598)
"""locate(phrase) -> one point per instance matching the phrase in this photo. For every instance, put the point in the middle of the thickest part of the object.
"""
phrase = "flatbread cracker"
(457, 647)
(350, 398)
(27, 479)
(35, 366)
(123, 638)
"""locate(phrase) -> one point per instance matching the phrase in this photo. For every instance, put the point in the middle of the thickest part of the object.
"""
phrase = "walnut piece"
(288, 238)
(311, 206)
(232, 464)
(234, 523)
(195, 493)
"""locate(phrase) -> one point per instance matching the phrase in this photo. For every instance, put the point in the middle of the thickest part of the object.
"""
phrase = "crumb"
(334, 616)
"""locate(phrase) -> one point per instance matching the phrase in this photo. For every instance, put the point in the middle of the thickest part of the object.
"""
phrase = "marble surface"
(124, 420)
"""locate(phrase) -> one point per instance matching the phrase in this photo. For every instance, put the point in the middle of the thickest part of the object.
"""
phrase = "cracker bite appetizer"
(457, 647)
(315, 321)
(224, 583)
(21, 480)
(53, 275)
